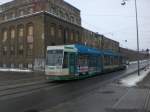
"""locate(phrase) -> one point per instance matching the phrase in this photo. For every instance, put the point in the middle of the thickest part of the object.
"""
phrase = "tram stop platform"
(130, 94)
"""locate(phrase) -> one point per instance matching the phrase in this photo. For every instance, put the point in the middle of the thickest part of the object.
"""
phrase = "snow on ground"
(14, 70)
(132, 80)
(134, 62)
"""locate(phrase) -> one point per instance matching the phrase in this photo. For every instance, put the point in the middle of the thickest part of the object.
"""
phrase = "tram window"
(65, 61)
(55, 57)
(83, 60)
(92, 61)
(107, 60)
(116, 61)
(112, 61)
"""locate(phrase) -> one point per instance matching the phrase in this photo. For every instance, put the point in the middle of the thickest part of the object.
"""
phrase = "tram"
(73, 62)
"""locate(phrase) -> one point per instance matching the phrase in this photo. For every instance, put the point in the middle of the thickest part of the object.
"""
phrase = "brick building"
(23, 40)
(27, 27)
(133, 55)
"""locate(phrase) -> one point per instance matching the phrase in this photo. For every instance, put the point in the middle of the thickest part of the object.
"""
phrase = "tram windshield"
(54, 57)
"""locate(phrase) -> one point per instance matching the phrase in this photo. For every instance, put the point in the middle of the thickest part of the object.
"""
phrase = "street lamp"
(148, 57)
(137, 32)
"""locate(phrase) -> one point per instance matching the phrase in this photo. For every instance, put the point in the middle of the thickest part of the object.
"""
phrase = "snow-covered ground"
(15, 70)
(132, 80)
(134, 62)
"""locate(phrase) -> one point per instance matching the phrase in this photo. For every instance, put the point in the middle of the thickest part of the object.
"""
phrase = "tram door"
(72, 63)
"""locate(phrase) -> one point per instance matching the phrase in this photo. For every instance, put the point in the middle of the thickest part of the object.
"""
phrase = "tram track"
(27, 88)
(19, 81)
(6, 87)
(23, 89)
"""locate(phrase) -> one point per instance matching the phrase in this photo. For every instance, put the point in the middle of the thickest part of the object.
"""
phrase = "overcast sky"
(117, 22)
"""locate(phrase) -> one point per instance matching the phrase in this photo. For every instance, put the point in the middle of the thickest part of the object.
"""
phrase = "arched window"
(5, 35)
(12, 50)
(13, 15)
(30, 31)
(67, 17)
(30, 34)
(4, 50)
(30, 50)
(20, 50)
(5, 17)
(71, 35)
(21, 32)
(21, 12)
(12, 33)
(72, 19)
(66, 35)
(52, 30)
(77, 36)
(30, 10)
(53, 10)
(60, 32)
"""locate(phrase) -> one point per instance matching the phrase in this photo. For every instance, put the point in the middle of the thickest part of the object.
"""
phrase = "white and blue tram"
(70, 62)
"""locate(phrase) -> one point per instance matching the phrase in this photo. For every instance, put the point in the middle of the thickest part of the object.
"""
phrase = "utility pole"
(137, 32)
(148, 57)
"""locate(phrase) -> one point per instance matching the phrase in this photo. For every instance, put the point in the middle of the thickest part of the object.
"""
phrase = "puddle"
(132, 80)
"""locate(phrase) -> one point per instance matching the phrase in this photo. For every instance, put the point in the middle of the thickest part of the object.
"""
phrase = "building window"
(21, 13)
(66, 35)
(20, 50)
(4, 66)
(30, 34)
(77, 36)
(60, 32)
(5, 51)
(5, 17)
(30, 10)
(12, 51)
(12, 66)
(61, 14)
(20, 66)
(5, 36)
(13, 15)
(52, 30)
(30, 31)
(77, 21)
(20, 32)
(72, 19)
(12, 34)
(30, 66)
(67, 17)
(30, 50)
(71, 35)
(53, 10)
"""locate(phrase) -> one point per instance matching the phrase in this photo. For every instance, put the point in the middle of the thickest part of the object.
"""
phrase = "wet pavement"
(113, 97)
(13, 76)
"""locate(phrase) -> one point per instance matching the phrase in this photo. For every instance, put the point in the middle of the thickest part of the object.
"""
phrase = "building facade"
(23, 40)
(27, 27)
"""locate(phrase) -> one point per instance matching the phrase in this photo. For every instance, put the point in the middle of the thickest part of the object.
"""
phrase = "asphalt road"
(57, 93)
